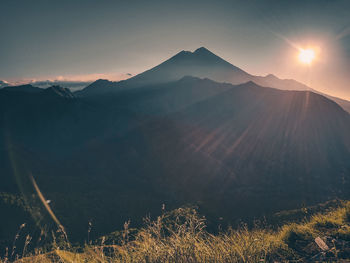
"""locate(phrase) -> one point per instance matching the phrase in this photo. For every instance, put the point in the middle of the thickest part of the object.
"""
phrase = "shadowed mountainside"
(236, 151)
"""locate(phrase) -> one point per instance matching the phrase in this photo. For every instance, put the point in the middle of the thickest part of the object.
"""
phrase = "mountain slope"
(293, 241)
(99, 86)
(345, 104)
(58, 91)
(263, 148)
(237, 151)
(290, 84)
(200, 63)
(23, 88)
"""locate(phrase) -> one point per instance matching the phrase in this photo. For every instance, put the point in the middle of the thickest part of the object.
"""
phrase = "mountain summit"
(201, 63)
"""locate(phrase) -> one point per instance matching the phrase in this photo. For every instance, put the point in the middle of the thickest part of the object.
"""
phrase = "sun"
(306, 56)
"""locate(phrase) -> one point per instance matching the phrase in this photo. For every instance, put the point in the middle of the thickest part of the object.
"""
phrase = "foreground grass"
(180, 236)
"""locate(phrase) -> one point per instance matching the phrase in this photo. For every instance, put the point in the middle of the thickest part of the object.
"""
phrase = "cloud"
(3, 83)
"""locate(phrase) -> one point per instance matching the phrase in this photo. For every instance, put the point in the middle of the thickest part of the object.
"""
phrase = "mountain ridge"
(223, 147)
(22, 88)
(200, 63)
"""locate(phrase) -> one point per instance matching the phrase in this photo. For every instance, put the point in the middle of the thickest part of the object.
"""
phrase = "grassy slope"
(180, 236)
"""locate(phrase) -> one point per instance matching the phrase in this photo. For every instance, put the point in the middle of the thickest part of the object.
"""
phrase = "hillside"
(181, 236)
(223, 147)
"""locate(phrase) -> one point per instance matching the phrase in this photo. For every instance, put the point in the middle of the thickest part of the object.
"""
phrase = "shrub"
(293, 233)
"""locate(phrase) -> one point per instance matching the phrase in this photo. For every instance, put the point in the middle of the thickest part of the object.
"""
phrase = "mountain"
(97, 87)
(290, 84)
(58, 91)
(72, 85)
(29, 113)
(345, 104)
(236, 151)
(50, 91)
(201, 63)
(247, 148)
(23, 88)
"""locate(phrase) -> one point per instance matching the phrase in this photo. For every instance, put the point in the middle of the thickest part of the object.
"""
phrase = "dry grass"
(180, 236)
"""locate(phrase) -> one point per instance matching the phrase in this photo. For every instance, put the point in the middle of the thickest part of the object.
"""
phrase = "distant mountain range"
(203, 64)
(73, 85)
(173, 135)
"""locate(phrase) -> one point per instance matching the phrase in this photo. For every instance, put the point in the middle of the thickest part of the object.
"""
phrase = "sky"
(89, 39)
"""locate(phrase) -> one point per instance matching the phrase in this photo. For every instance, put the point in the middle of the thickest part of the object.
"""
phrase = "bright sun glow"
(306, 56)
